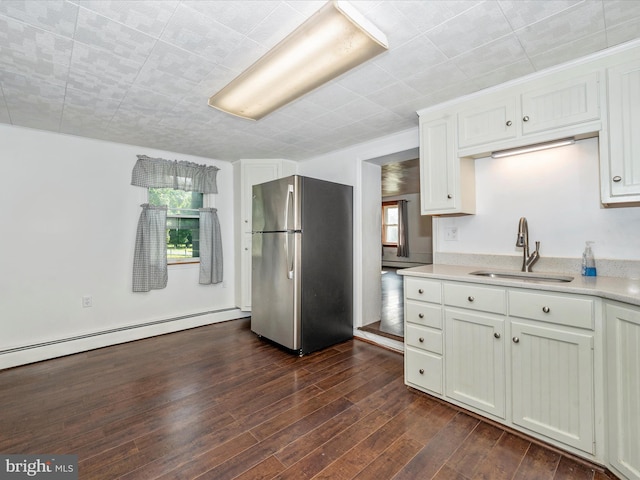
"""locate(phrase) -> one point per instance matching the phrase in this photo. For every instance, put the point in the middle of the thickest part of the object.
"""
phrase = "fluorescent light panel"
(533, 148)
(332, 41)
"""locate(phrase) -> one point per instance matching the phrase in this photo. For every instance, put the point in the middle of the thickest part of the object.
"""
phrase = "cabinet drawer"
(424, 314)
(424, 338)
(485, 299)
(559, 309)
(423, 370)
(422, 289)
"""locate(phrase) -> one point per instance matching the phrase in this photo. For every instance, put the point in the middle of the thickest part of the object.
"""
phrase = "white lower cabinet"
(521, 357)
(623, 387)
(475, 360)
(552, 382)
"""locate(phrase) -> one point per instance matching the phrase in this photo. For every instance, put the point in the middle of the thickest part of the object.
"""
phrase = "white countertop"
(612, 288)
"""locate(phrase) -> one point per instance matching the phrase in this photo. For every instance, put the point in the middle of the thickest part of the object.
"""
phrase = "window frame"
(206, 201)
(385, 207)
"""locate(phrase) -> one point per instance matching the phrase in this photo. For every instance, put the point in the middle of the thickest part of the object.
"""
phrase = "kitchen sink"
(525, 276)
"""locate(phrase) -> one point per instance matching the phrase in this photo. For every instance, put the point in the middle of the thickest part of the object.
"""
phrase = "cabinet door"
(493, 121)
(252, 174)
(561, 104)
(623, 357)
(447, 185)
(474, 366)
(623, 175)
(552, 383)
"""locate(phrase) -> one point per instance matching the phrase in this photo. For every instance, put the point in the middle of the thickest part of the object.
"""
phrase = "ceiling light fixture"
(332, 41)
(533, 148)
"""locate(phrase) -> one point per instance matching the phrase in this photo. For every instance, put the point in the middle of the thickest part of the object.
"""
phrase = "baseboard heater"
(113, 330)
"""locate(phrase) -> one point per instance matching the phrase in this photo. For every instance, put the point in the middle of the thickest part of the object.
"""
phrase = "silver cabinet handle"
(470, 298)
(421, 291)
(421, 371)
(617, 178)
(525, 118)
(516, 340)
(449, 196)
(509, 123)
(546, 309)
(421, 339)
(421, 315)
(496, 335)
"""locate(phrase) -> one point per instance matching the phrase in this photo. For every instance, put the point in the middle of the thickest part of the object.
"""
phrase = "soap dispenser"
(588, 261)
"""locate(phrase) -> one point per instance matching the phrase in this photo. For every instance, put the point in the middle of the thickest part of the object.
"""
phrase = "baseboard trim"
(12, 357)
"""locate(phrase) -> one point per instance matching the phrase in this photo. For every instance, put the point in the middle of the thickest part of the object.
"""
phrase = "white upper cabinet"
(561, 104)
(447, 184)
(537, 111)
(620, 172)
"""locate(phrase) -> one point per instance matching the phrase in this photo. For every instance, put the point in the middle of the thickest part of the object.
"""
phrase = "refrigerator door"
(275, 206)
(275, 312)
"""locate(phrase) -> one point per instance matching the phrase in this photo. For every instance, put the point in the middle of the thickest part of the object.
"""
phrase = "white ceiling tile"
(491, 56)
(504, 73)
(620, 11)
(147, 16)
(4, 111)
(392, 22)
(521, 13)
(173, 60)
(417, 54)
(568, 26)
(242, 17)
(393, 94)
(100, 32)
(428, 15)
(623, 32)
(200, 35)
(461, 33)
(55, 16)
(367, 78)
(160, 81)
(435, 78)
(567, 51)
(277, 25)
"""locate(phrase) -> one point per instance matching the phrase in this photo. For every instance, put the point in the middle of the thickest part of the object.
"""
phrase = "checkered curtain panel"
(210, 247)
(150, 255)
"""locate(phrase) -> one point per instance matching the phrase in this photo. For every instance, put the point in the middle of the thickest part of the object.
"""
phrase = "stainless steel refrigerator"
(302, 263)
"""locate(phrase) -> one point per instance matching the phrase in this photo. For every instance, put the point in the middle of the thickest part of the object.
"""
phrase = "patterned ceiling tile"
(103, 64)
(147, 16)
(100, 32)
(163, 82)
(461, 33)
(55, 16)
(436, 78)
(521, 13)
(428, 15)
(620, 11)
(392, 22)
(402, 63)
(568, 51)
(491, 56)
(4, 111)
(200, 35)
(280, 22)
(242, 17)
(569, 25)
(173, 60)
(623, 32)
(504, 73)
(367, 78)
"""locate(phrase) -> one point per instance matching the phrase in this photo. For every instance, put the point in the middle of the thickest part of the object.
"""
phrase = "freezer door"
(275, 311)
(275, 205)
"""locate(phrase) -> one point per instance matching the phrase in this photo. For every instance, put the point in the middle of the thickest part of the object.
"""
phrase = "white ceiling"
(141, 72)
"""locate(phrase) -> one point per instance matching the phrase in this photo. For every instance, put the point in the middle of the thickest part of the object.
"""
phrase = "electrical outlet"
(87, 301)
(451, 234)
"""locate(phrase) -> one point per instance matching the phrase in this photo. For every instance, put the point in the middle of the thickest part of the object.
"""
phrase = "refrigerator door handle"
(289, 256)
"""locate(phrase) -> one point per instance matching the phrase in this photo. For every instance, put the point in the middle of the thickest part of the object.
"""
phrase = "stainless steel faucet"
(523, 241)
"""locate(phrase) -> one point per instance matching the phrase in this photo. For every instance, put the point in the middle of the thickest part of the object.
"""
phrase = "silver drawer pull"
(546, 309)
(421, 339)
(421, 371)
(516, 340)
(421, 315)
(470, 298)
(421, 291)
(509, 123)
(449, 196)
(496, 334)
(525, 118)
(617, 178)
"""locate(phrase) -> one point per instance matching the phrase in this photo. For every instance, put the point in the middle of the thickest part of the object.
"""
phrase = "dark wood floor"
(217, 403)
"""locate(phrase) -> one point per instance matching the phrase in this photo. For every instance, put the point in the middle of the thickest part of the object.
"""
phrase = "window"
(183, 222)
(390, 224)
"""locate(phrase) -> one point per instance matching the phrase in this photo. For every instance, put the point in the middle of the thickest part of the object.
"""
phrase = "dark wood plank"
(217, 402)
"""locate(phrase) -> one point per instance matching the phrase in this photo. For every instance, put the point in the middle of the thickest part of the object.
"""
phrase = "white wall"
(68, 230)
(558, 191)
(420, 236)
